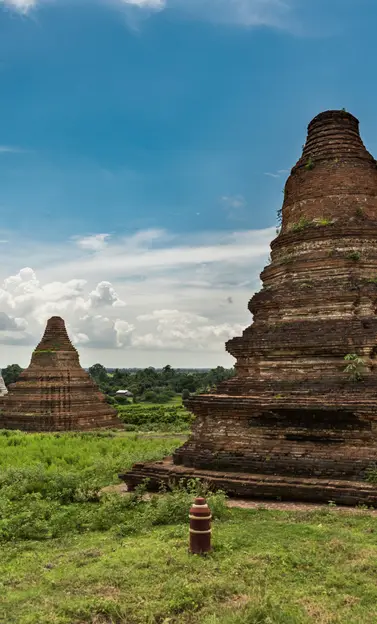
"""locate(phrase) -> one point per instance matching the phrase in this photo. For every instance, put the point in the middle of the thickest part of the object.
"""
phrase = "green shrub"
(309, 164)
(356, 366)
(354, 255)
(156, 417)
(302, 224)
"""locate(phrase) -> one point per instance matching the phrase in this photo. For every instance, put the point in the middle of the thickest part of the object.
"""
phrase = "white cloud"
(9, 323)
(177, 288)
(95, 242)
(183, 330)
(104, 294)
(234, 201)
(9, 149)
(148, 4)
(101, 332)
(239, 12)
(20, 5)
(278, 174)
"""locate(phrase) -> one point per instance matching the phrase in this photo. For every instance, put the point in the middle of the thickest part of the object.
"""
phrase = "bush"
(36, 517)
(54, 484)
(156, 417)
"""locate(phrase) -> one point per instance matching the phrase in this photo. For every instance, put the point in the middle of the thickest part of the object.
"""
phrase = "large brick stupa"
(299, 419)
(54, 393)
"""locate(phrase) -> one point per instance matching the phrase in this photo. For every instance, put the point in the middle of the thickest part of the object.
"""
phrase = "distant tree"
(98, 373)
(185, 394)
(11, 373)
(151, 397)
(168, 372)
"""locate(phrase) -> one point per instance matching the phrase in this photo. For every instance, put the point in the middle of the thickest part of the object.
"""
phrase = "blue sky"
(131, 131)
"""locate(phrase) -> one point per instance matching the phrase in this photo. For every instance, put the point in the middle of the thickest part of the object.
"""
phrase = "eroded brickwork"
(292, 412)
(54, 393)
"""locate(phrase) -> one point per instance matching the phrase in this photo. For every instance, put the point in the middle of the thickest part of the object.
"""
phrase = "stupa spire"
(334, 134)
(55, 337)
(335, 177)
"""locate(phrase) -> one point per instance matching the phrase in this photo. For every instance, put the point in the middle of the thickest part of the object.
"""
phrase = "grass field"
(71, 557)
(167, 417)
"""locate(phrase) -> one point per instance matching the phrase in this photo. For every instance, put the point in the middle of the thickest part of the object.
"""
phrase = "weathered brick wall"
(280, 437)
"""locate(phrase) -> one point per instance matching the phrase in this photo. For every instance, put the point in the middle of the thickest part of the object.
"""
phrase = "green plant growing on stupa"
(354, 255)
(355, 367)
(360, 211)
(301, 225)
(324, 221)
(40, 351)
(309, 164)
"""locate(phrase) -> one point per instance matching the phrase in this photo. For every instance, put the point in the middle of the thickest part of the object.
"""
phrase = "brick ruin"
(294, 423)
(54, 393)
(3, 388)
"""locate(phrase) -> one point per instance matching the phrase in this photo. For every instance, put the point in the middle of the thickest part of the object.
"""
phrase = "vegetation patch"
(356, 366)
(72, 554)
(40, 351)
(302, 224)
(309, 164)
(323, 221)
(266, 567)
(149, 417)
(354, 255)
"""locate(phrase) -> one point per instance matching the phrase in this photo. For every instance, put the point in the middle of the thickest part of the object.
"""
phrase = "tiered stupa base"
(258, 486)
(250, 447)
(34, 423)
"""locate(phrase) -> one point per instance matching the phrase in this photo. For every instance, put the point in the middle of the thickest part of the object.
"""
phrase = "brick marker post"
(200, 527)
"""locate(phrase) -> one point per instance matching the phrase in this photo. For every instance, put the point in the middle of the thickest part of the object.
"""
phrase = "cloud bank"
(239, 12)
(147, 293)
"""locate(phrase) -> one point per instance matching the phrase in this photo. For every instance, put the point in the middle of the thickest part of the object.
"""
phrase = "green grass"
(72, 556)
(266, 568)
(101, 454)
(171, 416)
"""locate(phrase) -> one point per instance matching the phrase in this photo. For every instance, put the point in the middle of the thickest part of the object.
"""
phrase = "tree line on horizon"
(149, 385)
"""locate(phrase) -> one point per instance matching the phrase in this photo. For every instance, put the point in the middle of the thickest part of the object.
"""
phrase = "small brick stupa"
(299, 419)
(54, 393)
(3, 388)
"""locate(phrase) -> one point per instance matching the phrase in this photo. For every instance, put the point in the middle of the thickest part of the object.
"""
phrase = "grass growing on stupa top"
(69, 556)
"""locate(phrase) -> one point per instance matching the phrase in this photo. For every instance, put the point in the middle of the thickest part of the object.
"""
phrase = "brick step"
(342, 492)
